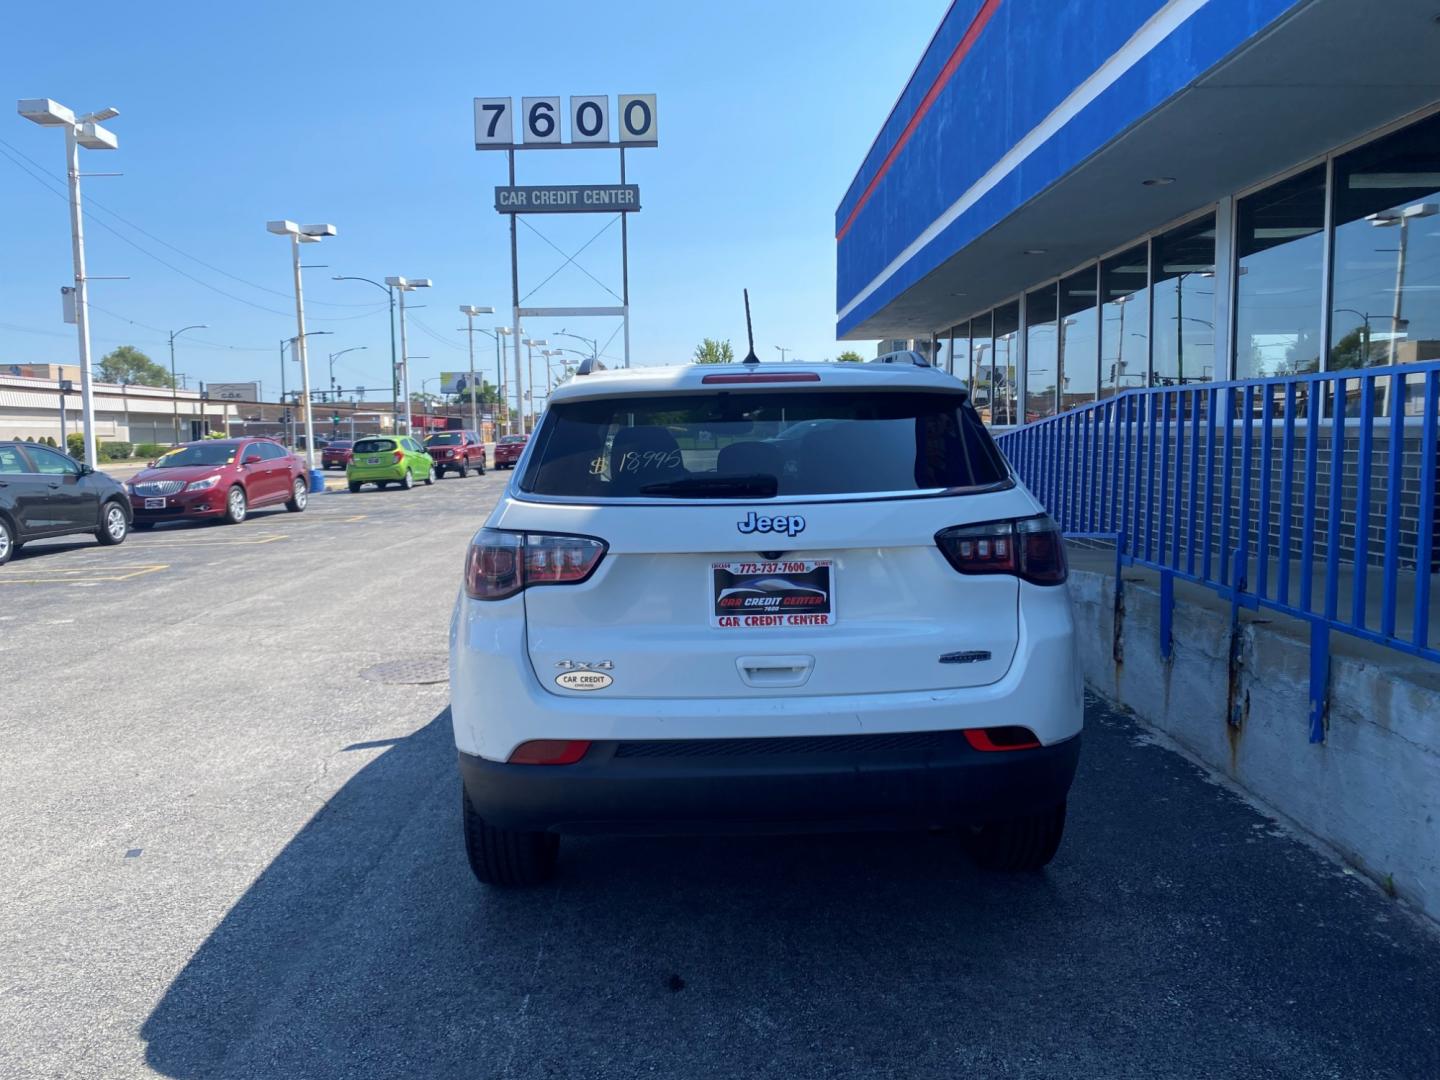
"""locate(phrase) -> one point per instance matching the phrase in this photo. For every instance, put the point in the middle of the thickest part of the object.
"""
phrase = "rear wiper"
(759, 486)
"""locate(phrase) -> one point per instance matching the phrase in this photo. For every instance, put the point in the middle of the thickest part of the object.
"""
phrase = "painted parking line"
(78, 575)
(182, 540)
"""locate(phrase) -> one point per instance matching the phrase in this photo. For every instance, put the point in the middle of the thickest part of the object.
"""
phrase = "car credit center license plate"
(154, 504)
(750, 595)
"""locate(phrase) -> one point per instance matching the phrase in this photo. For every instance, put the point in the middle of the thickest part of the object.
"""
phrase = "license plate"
(154, 504)
(372, 461)
(787, 592)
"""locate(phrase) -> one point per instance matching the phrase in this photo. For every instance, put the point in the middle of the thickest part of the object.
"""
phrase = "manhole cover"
(409, 672)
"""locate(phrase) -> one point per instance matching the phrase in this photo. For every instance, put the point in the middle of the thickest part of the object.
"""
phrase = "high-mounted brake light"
(549, 752)
(501, 564)
(1029, 548)
(758, 377)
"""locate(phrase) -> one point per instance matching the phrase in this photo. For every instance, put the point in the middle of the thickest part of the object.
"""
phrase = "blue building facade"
(1076, 197)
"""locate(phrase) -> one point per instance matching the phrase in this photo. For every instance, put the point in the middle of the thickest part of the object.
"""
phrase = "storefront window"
(982, 367)
(960, 352)
(1280, 247)
(1042, 353)
(1183, 277)
(1077, 329)
(1124, 340)
(1004, 363)
(1387, 250)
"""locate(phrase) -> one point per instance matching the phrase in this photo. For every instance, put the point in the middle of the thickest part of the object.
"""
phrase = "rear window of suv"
(749, 445)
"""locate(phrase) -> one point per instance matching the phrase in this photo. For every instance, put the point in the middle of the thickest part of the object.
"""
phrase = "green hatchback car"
(389, 459)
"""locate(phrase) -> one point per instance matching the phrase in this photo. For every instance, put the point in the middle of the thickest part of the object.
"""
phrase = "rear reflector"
(794, 376)
(1001, 738)
(550, 752)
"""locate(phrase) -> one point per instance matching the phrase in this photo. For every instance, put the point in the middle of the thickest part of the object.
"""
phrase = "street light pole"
(402, 286)
(530, 344)
(79, 131)
(174, 383)
(470, 311)
(302, 234)
(353, 348)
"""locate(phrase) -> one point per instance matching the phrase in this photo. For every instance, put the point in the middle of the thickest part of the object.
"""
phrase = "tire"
(237, 506)
(1021, 844)
(464, 471)
(505, 857)
(299, 496)
(430, 476)
(408, 482)
(354, 487)
(480, 468)
(7, 541)
(113, 526)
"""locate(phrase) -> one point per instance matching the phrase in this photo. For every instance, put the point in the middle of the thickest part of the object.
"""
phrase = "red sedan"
(219, 479)
(509, 449)
(336, 454)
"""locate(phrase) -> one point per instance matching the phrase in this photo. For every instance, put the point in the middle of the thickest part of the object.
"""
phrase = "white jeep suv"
(763, 598)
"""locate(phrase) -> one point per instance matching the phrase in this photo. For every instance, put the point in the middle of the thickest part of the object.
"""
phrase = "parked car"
(218, 479)
(508, 450)
(46, 493)
(456, 451)
(336, 455)
(778, 635)
(388, 459)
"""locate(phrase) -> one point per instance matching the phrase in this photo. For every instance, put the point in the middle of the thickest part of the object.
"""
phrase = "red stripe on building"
(957, 57)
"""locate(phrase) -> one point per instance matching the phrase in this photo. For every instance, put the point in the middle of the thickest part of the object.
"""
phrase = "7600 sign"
(542, 122)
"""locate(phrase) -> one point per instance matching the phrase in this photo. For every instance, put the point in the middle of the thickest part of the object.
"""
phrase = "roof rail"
(588, 365)
(904, 356)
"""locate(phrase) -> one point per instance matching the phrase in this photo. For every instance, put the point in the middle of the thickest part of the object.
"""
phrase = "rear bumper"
(906, 780)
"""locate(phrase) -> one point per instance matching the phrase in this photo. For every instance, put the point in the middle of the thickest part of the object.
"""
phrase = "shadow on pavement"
(1175, 935)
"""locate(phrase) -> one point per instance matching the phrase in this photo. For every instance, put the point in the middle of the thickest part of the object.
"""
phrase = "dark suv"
(456, 451)
(46, 493)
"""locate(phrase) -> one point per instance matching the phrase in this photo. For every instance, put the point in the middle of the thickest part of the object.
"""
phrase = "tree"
(485, 394)
(711, 351)
(129, 365)
(423, 398)
(850, 356)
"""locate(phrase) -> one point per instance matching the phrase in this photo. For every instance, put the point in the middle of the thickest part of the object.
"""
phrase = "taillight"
(549, 752)
(399, 456)
(501, 564)
(1029, 548)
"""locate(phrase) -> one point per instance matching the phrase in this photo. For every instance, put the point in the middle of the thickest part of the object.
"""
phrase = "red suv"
(336, 454)
(509, 449)
(218, 479)
(456, 451)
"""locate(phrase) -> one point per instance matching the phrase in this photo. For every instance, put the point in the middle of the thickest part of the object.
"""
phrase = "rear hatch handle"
(773, 671)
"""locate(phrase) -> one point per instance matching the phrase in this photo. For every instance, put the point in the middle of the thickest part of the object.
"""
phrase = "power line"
(44, 180)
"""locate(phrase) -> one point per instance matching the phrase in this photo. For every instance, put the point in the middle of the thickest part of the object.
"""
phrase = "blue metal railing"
(1309, 495)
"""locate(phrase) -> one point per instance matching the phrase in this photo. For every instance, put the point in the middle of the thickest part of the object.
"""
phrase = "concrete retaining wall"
(1371, 791)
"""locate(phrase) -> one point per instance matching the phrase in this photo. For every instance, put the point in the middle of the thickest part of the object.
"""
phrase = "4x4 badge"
(585, 665)
(789, 524)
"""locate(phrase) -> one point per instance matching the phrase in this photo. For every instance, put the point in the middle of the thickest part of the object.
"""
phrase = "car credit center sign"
(568, 199)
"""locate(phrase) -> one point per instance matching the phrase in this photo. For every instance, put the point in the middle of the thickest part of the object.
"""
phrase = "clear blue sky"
(359, 113)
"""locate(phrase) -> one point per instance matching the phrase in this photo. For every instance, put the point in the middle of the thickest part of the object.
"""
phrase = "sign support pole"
(624, 265)
(515, 295)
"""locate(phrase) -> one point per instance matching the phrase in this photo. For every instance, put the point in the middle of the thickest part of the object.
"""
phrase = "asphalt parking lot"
(233, 850)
